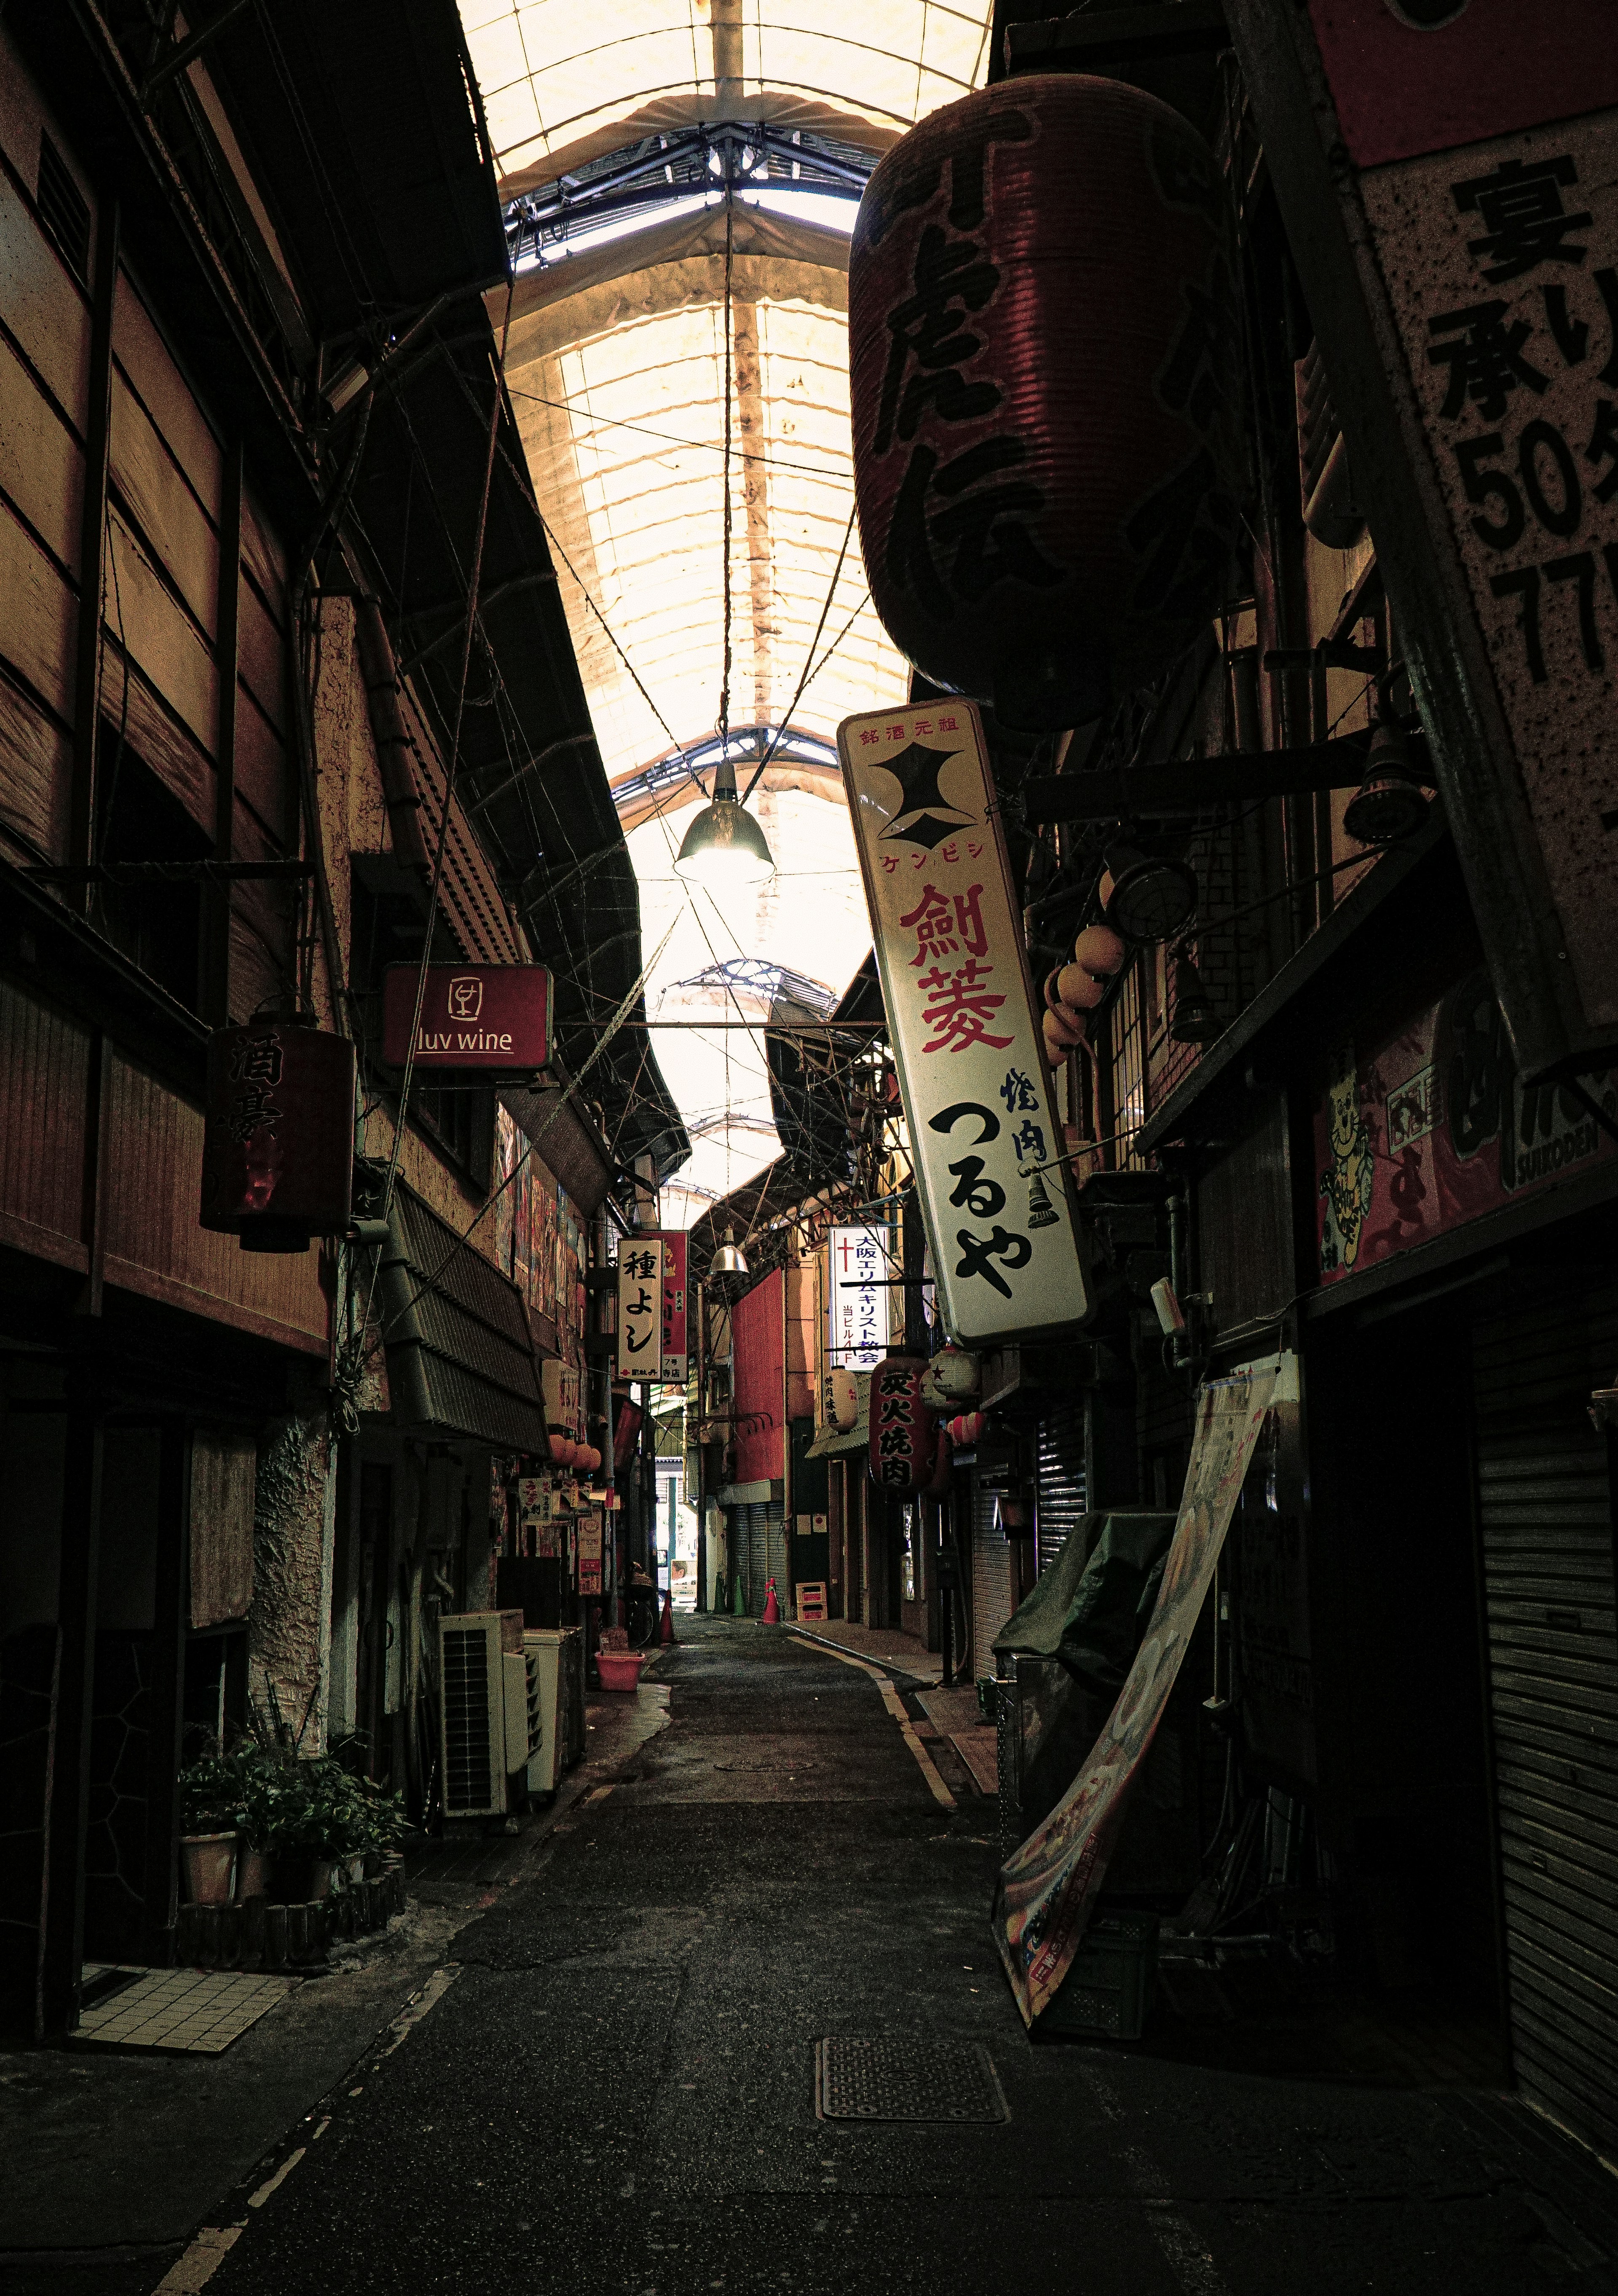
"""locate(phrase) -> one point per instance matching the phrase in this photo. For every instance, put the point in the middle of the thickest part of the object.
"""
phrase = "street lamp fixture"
(725, 847)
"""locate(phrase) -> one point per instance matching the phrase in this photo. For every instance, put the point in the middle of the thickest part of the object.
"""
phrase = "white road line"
(1184, 2254)
(200, 2261)
(896, 1707)
(273, 2184)
(436, 1985)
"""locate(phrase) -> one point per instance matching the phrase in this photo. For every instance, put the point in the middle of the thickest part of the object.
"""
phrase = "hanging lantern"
(1043, 340)
(842, 1398)
(278, 1136)
(901, 1427)
(964, 1432)
(951, 1378)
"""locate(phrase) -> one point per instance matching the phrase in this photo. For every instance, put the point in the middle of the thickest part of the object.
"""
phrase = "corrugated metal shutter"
(753, 1560)
(1060, 1491)
(1545, 1507)
(991, 1581)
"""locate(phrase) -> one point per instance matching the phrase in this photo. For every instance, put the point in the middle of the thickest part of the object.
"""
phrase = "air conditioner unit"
(488, 1710)
(556, 1656)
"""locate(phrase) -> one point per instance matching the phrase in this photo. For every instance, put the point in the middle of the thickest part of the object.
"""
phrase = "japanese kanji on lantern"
(903, 1433)
(1449, 185)
(278, 1136)
(640, 1337)
(1043, 339)
(984, 1133)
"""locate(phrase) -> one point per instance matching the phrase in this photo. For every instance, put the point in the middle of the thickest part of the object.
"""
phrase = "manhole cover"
(906, 2080)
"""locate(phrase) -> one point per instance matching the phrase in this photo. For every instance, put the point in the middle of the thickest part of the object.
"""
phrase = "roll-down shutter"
(1545, 1509)
(1060, 1492)
(991, 1581)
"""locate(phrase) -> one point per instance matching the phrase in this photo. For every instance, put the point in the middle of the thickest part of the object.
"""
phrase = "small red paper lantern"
(900, 1426)
(1043, 340)
(278, 1136)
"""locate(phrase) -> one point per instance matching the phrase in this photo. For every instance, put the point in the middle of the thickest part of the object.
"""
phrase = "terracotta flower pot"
(252, 1874)
(209, 1861)
(297, 1879)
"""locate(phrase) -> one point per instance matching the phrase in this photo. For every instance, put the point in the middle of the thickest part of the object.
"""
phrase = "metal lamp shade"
(724, 846)
(1152, 898)
(1390, 804)
(728, 1261)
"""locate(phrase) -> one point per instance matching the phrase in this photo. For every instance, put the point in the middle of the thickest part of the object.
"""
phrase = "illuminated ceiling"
(617, 363)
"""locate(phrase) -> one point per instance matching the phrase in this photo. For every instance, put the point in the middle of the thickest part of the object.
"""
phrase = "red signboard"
(278, 1139)
(674, 1343)
(473, 1016)
(1433, 1127)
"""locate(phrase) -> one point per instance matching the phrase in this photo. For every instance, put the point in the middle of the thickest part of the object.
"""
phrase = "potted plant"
(210, 1829)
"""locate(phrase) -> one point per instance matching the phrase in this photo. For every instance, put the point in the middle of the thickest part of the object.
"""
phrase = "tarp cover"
(1091, 1609)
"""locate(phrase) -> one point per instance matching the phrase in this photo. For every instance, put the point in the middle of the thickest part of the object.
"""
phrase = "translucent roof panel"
(563, 82)
(617, 381)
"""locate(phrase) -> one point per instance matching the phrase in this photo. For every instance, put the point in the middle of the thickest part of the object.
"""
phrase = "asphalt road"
(612, 2083)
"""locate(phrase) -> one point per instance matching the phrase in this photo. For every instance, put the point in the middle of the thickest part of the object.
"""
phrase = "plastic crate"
(1109, 1992)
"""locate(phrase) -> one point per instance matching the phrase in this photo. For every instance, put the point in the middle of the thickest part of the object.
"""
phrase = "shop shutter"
(1060, 1498)
(1545, 1510)
(991, 1581)
(755, 1565)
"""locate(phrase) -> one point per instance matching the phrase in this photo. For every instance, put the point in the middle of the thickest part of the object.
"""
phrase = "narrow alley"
(617, 2089)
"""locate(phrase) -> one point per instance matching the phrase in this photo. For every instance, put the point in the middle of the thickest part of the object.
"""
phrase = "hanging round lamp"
(724, 846)
(729, 1259)
(1151, 897)
(1193, 1022)
(1389, 803)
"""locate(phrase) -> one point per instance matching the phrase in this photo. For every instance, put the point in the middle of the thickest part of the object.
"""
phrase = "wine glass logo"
(465, 997)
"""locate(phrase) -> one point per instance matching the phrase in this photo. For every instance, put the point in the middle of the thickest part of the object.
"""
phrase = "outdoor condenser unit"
(489, 1706)
(556, 1655)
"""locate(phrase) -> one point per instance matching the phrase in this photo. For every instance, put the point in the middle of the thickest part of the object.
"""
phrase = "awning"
(857, 1438)
(459, 1359)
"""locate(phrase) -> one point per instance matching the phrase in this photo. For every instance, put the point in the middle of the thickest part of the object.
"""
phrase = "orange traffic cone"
(665, 1624)
(771, 1617)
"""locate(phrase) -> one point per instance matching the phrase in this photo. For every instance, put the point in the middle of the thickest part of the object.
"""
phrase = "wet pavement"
(611, 2082)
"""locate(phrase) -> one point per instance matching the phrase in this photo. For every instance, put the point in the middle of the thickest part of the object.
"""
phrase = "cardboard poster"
(1046, 1891)
(1433, 1127)
(948, 932)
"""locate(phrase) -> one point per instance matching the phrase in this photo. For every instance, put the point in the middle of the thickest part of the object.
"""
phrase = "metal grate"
(901, 2079)
(468, 1773)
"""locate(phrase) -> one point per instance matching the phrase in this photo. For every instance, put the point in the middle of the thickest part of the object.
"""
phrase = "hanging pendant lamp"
(729, 1259)
(724, 846)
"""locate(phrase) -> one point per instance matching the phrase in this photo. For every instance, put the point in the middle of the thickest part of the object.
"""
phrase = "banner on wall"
(947, 927)
(640, 1350)
(1431, 1126)
(1046, 1891)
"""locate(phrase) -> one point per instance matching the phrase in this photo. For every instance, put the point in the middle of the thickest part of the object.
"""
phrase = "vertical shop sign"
(1047, 1889)
(1450, 181)
(673, 1242)
(960, 1014)
(640, 1352)
(859, 1304)
(591, 1563)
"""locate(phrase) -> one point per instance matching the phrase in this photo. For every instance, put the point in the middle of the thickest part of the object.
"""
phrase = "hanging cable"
(724, 682)
(810, 664)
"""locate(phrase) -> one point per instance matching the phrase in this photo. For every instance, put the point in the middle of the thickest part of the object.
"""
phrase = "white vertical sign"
(859, 1300)
(640, 1350)
(962, 1022)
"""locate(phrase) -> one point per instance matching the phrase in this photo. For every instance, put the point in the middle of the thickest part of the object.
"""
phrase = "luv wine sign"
(1006, 1255)
(473, 1016)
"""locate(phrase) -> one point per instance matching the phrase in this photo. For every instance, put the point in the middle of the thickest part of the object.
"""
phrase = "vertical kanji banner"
(1047, 1889)
(673, 1368)
(1448, 181)
(640, 1350)
(962, 1019)
(860, 1298)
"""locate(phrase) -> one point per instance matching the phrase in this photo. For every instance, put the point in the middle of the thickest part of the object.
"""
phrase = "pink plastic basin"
(620, 1669)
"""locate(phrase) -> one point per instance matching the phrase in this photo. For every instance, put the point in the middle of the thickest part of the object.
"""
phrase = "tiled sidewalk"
(182, 2012)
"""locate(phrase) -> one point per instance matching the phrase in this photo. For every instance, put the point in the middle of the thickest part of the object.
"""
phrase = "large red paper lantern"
(278, 1138)
(1044, 339)
(902, 1427)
